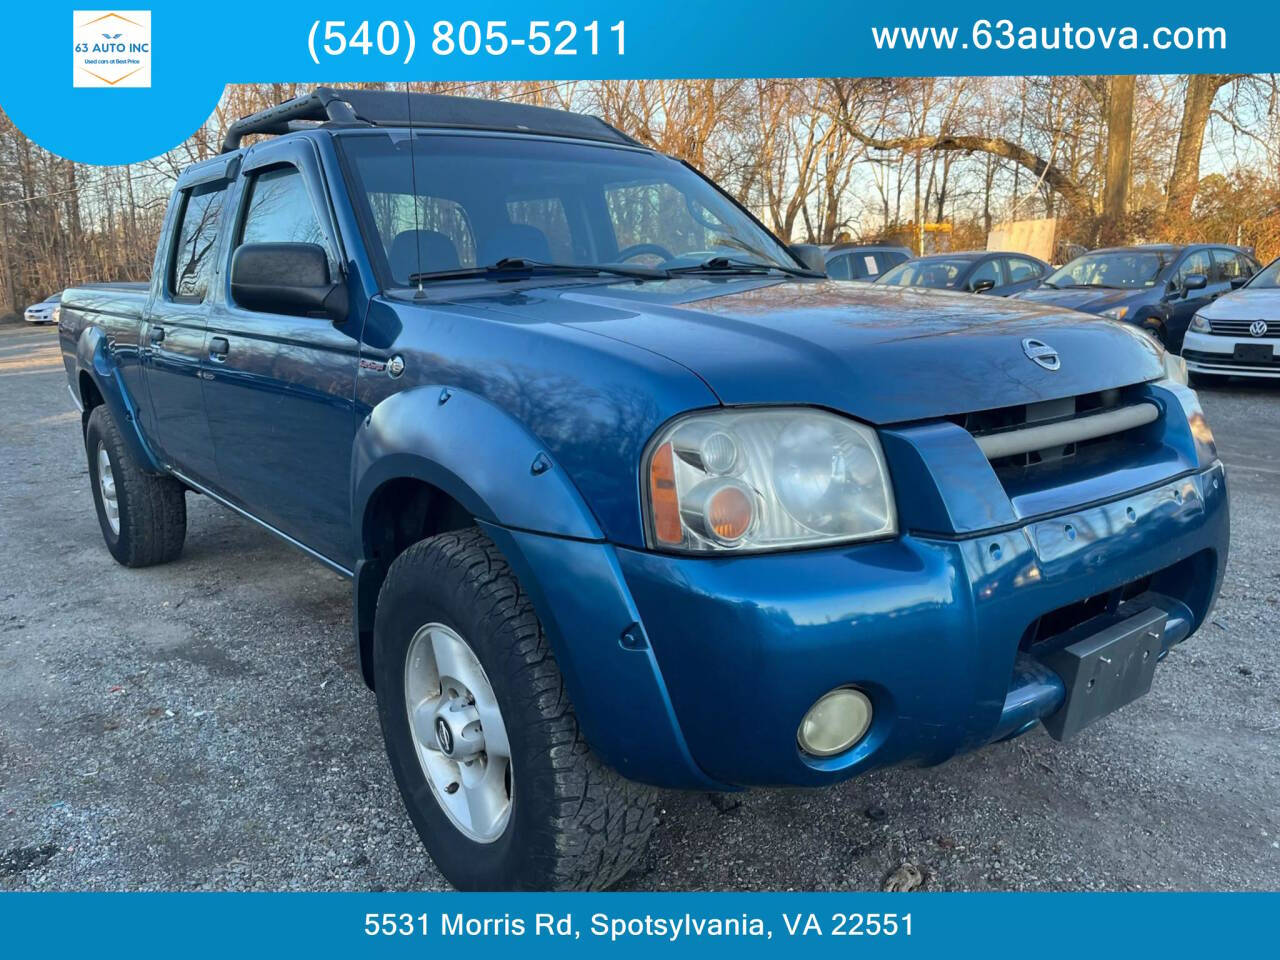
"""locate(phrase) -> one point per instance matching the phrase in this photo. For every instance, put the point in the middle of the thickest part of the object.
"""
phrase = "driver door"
(1184, 302)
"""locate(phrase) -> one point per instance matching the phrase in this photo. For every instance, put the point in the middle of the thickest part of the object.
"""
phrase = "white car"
(46, 311)
(1239, 333)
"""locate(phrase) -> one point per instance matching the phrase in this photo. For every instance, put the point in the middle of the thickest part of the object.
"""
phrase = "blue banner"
(111, 86)
(1044, 926)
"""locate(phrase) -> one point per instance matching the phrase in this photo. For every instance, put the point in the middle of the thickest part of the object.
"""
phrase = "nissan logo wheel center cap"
(444, 736)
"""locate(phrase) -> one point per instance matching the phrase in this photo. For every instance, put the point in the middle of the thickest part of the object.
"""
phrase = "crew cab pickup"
(630, 496)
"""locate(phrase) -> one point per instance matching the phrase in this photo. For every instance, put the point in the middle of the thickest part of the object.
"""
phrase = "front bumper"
(933, 630)
(1218, 354)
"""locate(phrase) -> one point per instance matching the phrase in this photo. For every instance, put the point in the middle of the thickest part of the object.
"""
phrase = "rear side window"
(191, 266)
(838, 268)
(864, 265)
(279, 210)
(1229, 265)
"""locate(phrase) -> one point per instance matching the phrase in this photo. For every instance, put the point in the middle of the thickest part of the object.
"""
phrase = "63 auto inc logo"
(112, 48)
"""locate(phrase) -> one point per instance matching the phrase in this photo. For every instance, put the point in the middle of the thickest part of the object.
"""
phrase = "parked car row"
(1213, 303)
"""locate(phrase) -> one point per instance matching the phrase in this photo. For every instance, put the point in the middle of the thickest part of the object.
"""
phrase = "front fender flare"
(474, 451)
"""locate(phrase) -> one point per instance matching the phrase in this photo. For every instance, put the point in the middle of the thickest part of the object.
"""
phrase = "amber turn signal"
(663, 499)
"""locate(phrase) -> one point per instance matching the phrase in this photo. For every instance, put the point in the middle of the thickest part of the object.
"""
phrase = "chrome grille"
(1240, 328)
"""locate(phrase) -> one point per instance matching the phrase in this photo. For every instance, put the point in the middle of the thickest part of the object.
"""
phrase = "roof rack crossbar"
(387, 108)
(318, 106)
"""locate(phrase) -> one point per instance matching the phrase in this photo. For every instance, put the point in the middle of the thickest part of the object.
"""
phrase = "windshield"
(456, 202)
(1268, 278)
(1120, 270)
(938, 274)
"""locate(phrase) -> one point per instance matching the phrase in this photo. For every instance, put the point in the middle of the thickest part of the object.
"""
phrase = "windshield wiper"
(510, 268)
(723, 264)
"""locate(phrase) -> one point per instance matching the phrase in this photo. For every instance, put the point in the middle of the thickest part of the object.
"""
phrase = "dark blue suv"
(1158, 287)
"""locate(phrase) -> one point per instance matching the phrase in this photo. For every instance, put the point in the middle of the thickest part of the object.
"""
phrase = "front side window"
(1197, 262)
(988, 271)
(1115, 270)
(558, 202)
(279, 210)
(938, 274)
(191, 265)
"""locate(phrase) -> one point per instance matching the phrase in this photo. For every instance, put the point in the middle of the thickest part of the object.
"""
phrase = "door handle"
(218, 348)
(156, 335)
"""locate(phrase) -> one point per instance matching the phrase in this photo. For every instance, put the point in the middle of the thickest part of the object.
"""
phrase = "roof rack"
(375, 108)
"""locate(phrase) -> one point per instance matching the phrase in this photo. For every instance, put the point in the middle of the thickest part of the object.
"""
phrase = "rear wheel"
(143, 516)
(481, 736)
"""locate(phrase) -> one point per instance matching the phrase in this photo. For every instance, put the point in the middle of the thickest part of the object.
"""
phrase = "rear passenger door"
(173, 338)
(279, 389)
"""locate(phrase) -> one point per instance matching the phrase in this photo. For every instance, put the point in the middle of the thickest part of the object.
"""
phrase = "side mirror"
(983, 285)
(289, 278)
(1238, 282)
(810, 255)
(1195, 281)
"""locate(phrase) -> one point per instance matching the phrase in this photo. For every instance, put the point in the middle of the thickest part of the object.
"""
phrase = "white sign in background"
(112, 48)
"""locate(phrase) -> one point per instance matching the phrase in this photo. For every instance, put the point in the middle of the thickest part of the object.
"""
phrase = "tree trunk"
(1115, 194)
(1185, 179)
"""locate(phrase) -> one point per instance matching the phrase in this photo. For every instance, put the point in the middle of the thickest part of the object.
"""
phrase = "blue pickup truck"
(631, 497)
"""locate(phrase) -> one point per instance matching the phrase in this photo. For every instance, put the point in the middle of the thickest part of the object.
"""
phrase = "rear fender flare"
(94, 359)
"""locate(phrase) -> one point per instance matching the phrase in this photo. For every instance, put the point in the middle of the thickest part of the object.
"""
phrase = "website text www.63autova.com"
(1004, 34)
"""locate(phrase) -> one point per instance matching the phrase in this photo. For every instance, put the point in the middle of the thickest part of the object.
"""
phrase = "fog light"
(835, 723)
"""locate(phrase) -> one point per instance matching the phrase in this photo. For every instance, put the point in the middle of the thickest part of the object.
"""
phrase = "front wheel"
(481, 736)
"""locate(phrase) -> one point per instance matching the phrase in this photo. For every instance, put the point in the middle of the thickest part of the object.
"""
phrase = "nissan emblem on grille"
(1258, 328)
(1041, 353)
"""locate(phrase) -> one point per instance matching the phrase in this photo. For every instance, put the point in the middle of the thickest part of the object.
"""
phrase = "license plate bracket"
(1254, 352)
(1105, 669)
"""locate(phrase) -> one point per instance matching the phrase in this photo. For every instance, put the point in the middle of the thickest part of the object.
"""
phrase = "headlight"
(56, 314)
(1175, 368)
(1199, 324)
(766, 479)
(1116, 313)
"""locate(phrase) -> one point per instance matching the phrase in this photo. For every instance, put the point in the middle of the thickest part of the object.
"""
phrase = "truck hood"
(881, 354)
(1088, 301)
(1262, 304)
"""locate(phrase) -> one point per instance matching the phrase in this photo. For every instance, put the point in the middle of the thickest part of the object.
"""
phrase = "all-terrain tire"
(574, 823)
(151, 509)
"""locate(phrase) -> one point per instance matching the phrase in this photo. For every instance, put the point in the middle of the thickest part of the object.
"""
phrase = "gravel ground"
(202, 726)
